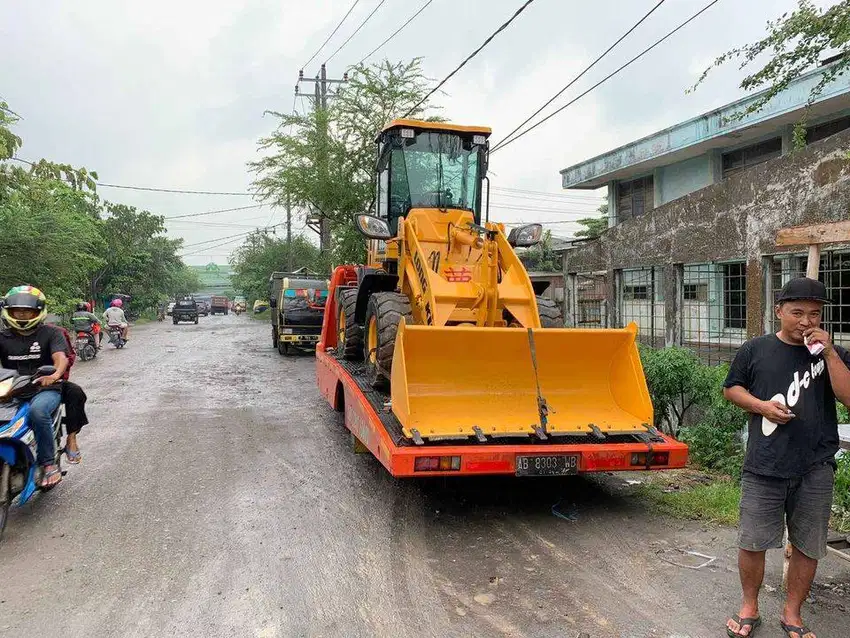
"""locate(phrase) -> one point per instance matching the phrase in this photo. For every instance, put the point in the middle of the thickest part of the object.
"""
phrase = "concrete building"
(694, 209)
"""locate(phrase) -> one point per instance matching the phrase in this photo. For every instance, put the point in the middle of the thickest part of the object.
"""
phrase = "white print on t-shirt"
(768, 427)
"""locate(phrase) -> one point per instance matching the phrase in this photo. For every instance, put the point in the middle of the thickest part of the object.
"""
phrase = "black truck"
(185, 310)
(297, 302)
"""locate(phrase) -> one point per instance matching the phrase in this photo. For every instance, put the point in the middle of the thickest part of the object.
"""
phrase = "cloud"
(167, 93)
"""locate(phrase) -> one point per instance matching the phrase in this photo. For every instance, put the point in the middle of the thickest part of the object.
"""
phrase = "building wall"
(677, 180)
(735, 220)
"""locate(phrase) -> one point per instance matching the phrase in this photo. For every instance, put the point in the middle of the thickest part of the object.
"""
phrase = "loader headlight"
(372, 227)
(525, 236)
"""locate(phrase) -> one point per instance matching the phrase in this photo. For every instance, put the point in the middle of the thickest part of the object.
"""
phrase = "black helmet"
(82, 306)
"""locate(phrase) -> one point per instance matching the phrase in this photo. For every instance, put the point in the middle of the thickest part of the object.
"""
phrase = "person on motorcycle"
(84, 320)
(114, 316)
(73, 397)
(25, 345)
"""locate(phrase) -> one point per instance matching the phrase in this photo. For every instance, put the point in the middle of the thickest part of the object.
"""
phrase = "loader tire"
(349, 334)
(383, 314)
(550, 313)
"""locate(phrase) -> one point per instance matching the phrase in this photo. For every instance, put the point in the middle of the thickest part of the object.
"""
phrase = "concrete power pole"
(289, 232)
(320, 101)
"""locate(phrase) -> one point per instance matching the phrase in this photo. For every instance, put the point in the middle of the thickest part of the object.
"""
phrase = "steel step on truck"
(441, 356)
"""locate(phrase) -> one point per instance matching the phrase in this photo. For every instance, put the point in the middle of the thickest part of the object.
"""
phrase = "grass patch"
(717, 501)
(265, 315)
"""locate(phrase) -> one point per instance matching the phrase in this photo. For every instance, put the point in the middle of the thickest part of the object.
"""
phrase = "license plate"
(551, 465)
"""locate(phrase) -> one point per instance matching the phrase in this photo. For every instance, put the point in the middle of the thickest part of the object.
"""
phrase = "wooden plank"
(814, 234)
(813, 262)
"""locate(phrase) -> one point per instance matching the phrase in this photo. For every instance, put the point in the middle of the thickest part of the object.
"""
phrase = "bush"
(677, 381)
(841, 498)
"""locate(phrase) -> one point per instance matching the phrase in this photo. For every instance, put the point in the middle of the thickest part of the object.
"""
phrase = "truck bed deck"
(344, 385)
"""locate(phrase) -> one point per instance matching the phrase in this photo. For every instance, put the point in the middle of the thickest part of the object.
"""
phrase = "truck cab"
(185, 309)
(297, 302)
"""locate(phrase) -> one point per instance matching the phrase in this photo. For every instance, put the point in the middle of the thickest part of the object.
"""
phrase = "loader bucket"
(464, 381)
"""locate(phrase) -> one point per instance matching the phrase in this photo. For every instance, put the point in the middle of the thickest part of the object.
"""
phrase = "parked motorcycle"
(115, 337)
(20, 473)
(85, 345)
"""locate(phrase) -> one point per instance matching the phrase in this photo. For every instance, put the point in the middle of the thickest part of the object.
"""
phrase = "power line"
(216, 212)
(504, 143)
(362, 24)
(533, 192)
(170, 190)
(470, 56)
(579, 213)
(313, 57)
(585, 70)
(394, 34)
(551, 200)
(209, 241)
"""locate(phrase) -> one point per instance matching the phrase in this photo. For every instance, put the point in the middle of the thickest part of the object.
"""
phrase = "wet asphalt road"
(219, 496)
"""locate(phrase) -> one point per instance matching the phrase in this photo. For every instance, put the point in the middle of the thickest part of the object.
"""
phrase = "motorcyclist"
(114, 316)
(25, 345)
(84, 320)
(74, 398)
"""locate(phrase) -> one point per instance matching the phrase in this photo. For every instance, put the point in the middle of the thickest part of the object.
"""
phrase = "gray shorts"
(804, 502)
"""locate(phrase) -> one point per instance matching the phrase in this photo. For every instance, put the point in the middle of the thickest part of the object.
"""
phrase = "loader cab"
(429, 165)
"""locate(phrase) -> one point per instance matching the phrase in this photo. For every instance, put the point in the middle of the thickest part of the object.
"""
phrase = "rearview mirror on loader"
(372, 227)
(525, 236)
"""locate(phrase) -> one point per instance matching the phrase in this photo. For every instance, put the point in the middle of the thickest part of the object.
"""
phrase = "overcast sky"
(172, 93)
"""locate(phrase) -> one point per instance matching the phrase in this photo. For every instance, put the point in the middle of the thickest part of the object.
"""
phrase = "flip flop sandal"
(73, 457)
(752, 623)
(48, 475)
(793, 629)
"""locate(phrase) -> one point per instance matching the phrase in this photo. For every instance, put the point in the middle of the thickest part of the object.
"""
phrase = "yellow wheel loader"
(445, 319)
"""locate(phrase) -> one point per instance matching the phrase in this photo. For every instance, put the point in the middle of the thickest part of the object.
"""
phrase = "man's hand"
(819, 335)
(46, 381)
(775, 412)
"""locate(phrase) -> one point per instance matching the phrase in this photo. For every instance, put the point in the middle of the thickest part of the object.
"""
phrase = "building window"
(695, 292)
(738, 160)
(636, 293)
(735, 295)
(634, 198)
(821, 131)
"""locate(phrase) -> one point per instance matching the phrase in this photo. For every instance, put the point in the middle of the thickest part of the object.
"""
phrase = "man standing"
(25, 346)
(788, 382)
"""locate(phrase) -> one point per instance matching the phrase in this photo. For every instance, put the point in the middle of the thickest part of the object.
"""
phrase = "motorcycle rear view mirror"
(45, 371)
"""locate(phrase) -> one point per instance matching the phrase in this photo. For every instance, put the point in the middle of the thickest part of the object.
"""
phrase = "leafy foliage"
(541, 257)
(794, 43)
(262, 254)
(324, 160)
(841, 499)
(594, 226)
(57, 234)
(677, 381)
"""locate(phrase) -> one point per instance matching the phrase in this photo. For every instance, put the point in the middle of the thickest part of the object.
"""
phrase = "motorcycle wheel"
(5, 495)
(87, 352)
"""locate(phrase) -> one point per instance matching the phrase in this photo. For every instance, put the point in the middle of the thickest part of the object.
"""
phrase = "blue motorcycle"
(20, 474)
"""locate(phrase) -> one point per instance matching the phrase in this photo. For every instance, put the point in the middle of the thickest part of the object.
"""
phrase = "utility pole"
(320, 101)
(289, 232)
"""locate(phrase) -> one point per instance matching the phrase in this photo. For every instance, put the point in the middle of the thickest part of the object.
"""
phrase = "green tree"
(594, 226)
(794, 43)
(541, 257)
(324, 160)
(262, 254)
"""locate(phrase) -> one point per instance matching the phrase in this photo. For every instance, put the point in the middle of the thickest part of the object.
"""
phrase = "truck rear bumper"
(299, 338)
(400, 457)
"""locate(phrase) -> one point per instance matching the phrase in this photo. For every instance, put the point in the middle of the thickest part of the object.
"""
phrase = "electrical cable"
(348, 13)
(394, 34)
(505, 142)
(362, 24)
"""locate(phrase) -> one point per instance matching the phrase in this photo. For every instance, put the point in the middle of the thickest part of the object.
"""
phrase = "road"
(219, 496)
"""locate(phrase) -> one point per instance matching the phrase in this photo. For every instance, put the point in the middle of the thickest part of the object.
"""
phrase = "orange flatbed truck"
(374, 426)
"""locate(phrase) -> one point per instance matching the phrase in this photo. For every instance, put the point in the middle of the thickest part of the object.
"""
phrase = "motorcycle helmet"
(84, 306)
(28, 298)
(117, 303)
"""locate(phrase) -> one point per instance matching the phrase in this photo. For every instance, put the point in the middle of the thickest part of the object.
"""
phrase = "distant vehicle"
(203, 308)
(239, 305)
(218, 305)
(297, 302)
(185, 310)
(260, 305)
(170, 308)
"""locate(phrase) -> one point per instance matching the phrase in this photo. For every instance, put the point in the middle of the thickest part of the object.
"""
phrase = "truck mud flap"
(465, 381)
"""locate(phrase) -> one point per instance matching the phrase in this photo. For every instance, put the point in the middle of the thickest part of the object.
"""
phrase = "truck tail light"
(657, 458)
(436, 464)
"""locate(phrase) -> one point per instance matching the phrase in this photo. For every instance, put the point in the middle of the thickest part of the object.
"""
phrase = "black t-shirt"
(25, 353)
(772, 370)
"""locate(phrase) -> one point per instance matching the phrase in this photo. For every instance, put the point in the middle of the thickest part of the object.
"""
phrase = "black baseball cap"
(803, 289)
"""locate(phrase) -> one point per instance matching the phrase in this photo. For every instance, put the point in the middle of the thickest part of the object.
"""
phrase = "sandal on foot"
(743, 623)
(51, 478)
(74, 458)
(794, 629)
